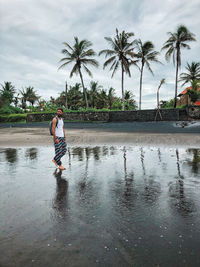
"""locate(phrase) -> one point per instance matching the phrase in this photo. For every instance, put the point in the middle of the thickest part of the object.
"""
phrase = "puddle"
(113, 206)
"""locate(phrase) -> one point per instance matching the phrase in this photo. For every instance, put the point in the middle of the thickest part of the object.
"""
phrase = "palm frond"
(75, 70)
(65, 64)
(115, 68)
(87, 70)
(90, 61)
(107, 62)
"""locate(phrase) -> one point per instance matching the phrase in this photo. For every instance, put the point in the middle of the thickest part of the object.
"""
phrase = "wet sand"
(129, 197)
(113, 206)
(39, 136)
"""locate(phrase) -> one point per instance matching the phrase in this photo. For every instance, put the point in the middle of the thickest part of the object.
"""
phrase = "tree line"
(123, 53)
(27, 99)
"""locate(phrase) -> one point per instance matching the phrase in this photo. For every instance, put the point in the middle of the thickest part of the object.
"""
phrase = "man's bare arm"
(64, 131)
(53, 129)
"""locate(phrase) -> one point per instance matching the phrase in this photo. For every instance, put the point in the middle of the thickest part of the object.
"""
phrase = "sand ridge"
(29, 137)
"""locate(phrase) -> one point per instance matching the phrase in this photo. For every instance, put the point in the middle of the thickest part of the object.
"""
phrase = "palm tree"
(94, 91)
(102, 99)
(158, 90)
(177, 41)
(158, 101)
(121, 55)
(75, 97)
(31, 95)
(111, 96)
(81, 54)
(193, 93)
(146, 54)
(24, 97)
(7, 91)
(66, 92)
(129, 100)
(193, 73)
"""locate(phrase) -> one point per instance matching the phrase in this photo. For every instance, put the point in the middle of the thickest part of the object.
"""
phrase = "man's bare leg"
(53, 160)
(61, 167)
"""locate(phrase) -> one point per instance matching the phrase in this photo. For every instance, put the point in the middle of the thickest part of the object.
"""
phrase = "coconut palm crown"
(145, 54)
(192, 74)
(177, 41)
(120, 55)
(80, 54)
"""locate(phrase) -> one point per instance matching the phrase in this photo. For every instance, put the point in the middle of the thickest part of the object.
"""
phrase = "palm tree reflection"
(83, 182)
(31, 153)
(184, 205)
(195, 163)
(11, 155)
(142, 160)
(152, 188)
(129, 191)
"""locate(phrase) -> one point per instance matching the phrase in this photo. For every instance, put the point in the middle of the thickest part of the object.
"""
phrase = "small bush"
(13, 118)
(10, 110)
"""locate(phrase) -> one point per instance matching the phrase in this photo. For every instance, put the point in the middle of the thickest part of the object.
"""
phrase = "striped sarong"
(60, 150)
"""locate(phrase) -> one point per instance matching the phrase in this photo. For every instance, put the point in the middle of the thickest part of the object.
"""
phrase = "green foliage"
(183, 106)
(192, 74)
(7, 92)
(7, 109)
(167, 104)
(193, 94)
(117, 105)
(13, 118)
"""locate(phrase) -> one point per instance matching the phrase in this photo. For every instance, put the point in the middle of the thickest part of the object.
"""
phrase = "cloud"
(32, 33)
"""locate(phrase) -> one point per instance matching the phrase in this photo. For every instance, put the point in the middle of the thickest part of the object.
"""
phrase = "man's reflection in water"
(60, 202)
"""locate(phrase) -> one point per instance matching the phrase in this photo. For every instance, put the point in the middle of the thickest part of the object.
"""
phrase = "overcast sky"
(32, 33)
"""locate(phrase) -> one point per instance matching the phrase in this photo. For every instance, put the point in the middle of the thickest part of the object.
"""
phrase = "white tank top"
(59, 128)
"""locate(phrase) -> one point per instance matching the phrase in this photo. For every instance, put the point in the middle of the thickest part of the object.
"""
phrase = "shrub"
(13, 118)
(7, 109)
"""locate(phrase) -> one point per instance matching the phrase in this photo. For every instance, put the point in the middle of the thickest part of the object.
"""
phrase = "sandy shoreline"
(34, 137)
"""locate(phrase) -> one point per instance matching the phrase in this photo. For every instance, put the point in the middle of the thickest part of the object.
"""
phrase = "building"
(185, 99)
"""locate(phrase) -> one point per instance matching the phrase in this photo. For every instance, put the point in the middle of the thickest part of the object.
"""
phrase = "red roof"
(197, 103)
(185, 91)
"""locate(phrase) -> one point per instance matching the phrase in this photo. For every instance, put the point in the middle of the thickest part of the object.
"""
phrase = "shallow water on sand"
(113, 206)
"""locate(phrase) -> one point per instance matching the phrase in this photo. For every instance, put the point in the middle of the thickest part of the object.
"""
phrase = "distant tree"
(158, 90)
(193, 93)
(192, 74)
(111, 97)
(32, 97)
(146, 54)
(94, 92)
(167, 104)
(120, 55)
(80, 54)
(177, 41)
(102, 99)
(130, 103)
(28, 94)
(7, 92)
(24, 98)
(75, 97)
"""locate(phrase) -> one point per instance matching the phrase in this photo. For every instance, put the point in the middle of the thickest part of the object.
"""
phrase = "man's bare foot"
(62, 167)
(53, 160)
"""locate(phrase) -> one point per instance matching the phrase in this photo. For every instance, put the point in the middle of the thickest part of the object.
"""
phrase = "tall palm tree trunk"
(84, 91)
(141, 73)
(122, 87)
(176, 83)
(66, 91)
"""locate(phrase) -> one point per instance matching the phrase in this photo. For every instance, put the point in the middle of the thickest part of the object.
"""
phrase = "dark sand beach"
(137, 133)
(129, 196)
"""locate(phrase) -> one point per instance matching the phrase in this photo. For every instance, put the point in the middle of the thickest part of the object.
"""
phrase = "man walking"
(59, 139)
